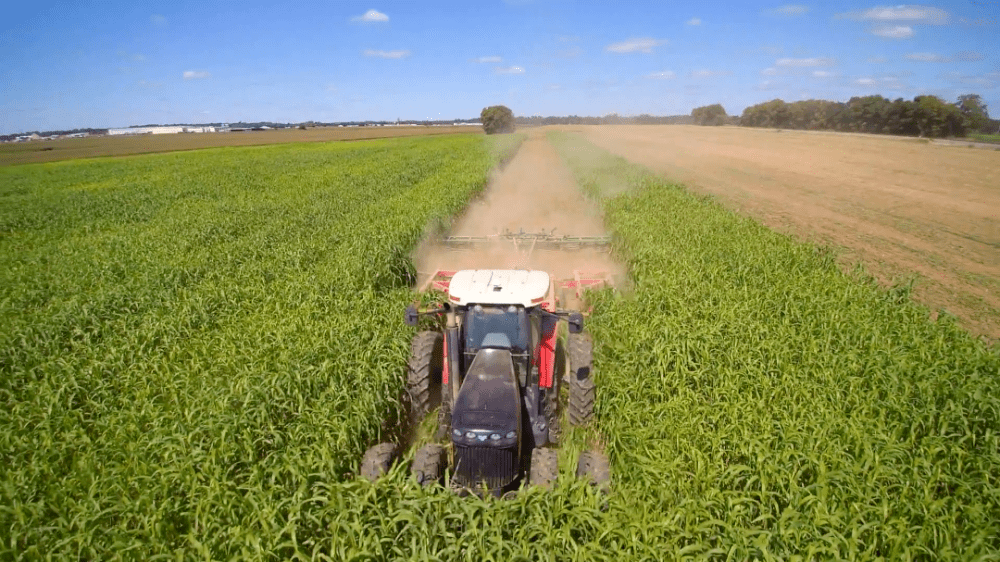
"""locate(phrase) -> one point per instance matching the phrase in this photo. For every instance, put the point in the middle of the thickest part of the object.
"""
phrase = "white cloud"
(893, 31)
(483, 60)
(911, 13)
(662, 75)
(986, 81)
(554, 87)
(822, 73)
(693, 21)
(703, 73)
(968, 56)
(926, 57)
(158, 20)
(800, 63)
(386, 54)
(770, 71)
(570, 53)
(195, 74)
(865, 81)
(636, 45)
(876, 60)
(509, 70)
(332, 88)
(371, 16)
(789, 10)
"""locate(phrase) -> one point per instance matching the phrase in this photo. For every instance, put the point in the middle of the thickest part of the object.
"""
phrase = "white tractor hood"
(499, 286)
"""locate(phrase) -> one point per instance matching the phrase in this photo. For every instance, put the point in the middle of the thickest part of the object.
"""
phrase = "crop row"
(760, 403)
(191, 341)
(196, 349)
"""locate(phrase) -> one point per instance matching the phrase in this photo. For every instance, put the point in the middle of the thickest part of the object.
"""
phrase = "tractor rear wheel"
(595, 467)
(544, 468)
(428, 464)
(581, 383)
(423, 376)
(378, 460)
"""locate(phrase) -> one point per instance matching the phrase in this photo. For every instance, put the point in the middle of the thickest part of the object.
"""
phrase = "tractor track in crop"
(534, 192)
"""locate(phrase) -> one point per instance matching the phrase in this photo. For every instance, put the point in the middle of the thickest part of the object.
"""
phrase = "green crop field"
(800, 413)
(196, 348)
(982, 137)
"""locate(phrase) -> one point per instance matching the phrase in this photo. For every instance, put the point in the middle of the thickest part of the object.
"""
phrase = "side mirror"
(410, 317)
(575, 321)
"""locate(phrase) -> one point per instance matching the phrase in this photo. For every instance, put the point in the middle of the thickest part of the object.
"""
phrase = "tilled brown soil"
(902, 207)
(535, 192)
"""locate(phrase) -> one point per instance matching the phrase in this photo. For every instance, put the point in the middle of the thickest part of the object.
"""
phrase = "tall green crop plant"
(190, 341)
(196, 349)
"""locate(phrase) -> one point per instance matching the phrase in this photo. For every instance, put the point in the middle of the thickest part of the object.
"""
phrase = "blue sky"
(114, 63)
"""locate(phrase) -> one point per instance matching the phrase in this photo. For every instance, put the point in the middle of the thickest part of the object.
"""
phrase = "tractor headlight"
(456, 432)
(470, 435)
(511, 435)
(494, 437)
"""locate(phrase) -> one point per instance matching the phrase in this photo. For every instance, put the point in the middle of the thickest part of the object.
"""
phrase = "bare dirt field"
(904, 208)
(534, 192)
(89, 147)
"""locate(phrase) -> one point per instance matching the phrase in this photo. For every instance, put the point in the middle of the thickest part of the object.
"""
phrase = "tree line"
(925, 116)
(610, 119)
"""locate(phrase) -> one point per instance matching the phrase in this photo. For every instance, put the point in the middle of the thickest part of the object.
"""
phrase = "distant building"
(167, 130)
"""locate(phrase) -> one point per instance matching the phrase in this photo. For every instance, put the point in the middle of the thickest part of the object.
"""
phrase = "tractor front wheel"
(544, 468)
(581, 383)
(378, 460)
(595, 467)
(428, 464)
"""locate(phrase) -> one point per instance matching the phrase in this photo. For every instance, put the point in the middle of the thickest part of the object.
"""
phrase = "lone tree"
(709, 115)
(977, 117)
(497, 119)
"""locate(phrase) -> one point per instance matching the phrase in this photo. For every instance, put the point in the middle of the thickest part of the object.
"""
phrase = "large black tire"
(581, 383)
(428, 464)
(423, 377)
(544, 468)
(595, 467)
(378, 460)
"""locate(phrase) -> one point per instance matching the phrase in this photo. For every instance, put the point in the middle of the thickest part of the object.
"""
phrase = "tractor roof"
(499, 286)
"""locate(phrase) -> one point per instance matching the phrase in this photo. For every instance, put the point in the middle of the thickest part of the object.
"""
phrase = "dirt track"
(534, 192)
(900, 206)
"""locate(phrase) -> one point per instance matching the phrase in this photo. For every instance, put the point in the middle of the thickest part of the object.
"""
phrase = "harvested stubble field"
(195, 353)
(90, 147)
(901, 207)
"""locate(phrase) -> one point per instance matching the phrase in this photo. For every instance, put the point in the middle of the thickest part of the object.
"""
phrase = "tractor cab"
(499, 327)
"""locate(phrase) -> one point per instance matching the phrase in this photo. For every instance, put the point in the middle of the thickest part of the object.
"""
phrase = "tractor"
(494, 365)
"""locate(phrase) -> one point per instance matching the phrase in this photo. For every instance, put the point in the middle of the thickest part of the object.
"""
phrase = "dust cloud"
(534, 193)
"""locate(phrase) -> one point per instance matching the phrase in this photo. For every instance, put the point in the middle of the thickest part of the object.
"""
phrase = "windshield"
(511, 321)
